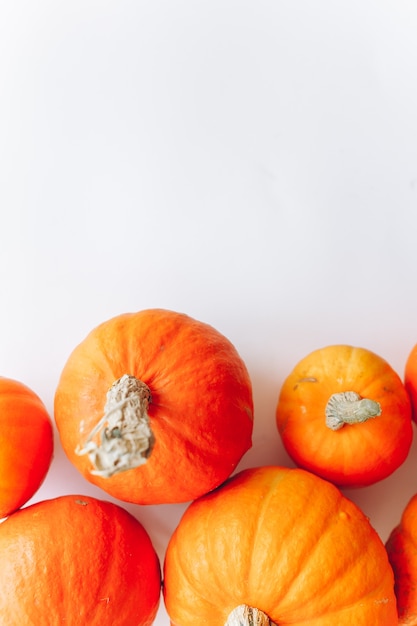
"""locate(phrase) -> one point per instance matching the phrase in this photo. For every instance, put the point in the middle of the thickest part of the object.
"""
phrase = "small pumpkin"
(155, 407)
(26, 444)
(344, 414)
(78, 561)
(277, 546)
(402, 553)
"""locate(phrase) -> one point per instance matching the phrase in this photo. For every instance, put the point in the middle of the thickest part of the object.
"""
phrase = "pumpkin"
(80, 561)
(344, 414)
(26, 444)
(410, 379)
(155, 407)
(402, 553)
(280, 546)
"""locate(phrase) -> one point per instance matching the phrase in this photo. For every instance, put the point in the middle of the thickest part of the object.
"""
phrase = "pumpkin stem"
(349, 408)
(122, 439)
(244, 615)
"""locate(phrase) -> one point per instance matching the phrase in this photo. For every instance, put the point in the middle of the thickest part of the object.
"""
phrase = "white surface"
(253, 164)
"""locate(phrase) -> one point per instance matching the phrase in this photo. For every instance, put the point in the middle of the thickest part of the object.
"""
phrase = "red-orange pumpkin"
(344, 414)
(26, 444)
(402, 552)
(155, 407)
(277, 546)
(78, 561)
(410, 379)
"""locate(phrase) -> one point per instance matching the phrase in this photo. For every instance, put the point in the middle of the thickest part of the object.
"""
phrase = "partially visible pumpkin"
(78, 561)
(155, 407)
(277, 546)
(344, 414)
(410, 379)
(402, 553)
(26, 444)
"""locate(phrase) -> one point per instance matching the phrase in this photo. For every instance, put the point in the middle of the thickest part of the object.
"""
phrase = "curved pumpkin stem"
(349, 408)
(244, 615)
(122, 439)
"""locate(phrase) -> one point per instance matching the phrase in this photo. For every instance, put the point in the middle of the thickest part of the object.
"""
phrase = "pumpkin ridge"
(370, 597)
(210, 536)
(364, 599)
(262, 513)
(326, 612)
(188, 574)
(309, 554)
(326, 365)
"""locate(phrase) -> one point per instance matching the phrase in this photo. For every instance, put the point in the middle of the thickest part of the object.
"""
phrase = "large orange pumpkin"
(78, 561)
(155, 407)
(344, 414)
(277, 546)
(402, 552)
(26, 444)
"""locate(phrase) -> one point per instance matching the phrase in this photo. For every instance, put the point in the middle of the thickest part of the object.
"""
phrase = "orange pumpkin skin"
(200, 412)
(410, 379)
(285, 542)
(357, 454)
(76, 560)
(402, 553)
(26, 444)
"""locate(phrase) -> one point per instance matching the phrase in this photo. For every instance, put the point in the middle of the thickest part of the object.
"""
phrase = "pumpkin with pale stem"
(26, 444)
(402, 553)
(277, 546)
(344, 414)
(155, 407)
(78, 561)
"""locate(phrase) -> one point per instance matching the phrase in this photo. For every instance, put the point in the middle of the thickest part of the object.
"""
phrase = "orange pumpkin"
(155, 407)
(26, 444)
(279, 546)
(344, 414)
(77, 561)
(410, 379)
(402, 553)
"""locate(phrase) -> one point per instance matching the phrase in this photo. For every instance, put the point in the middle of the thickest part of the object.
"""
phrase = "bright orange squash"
(277, 546)
(155, 407)
(78, 561)
(402, 553)
(344, 414)
(26, 444)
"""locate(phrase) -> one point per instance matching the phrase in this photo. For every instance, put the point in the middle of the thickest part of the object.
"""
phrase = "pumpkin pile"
(155, 407)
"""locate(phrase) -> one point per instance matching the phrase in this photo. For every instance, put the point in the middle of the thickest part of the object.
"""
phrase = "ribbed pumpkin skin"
(283, 541)
(201, 411)
(26, 444)
(402, 553)
(356, 455)
(77, 561)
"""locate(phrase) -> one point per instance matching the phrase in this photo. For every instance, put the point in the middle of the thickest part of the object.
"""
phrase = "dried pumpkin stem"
(122, 439)
(350, 408)
(244, 615)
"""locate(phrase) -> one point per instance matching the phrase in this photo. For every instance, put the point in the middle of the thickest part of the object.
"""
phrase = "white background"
(252, 164)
